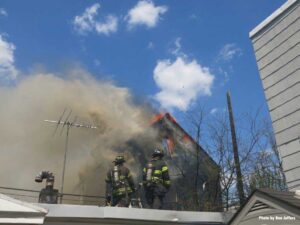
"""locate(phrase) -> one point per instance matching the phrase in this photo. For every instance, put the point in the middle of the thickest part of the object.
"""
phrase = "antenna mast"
(68, 124)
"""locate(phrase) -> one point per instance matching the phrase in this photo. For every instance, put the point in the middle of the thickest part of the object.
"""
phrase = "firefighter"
(119, 184)
(156, 180)
(48, 194)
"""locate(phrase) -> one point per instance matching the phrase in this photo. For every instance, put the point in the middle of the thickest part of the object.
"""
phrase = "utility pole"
(240, 187)
(68, 124)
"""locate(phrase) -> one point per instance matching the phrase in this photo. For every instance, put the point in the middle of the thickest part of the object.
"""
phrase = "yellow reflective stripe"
(156, 179)
(144, 170)
(157, 171)
(129, 175)
(164, 168)
(122, 190)
(167, 182)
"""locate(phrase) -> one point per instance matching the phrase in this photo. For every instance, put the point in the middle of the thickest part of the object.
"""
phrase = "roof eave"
(272, 17)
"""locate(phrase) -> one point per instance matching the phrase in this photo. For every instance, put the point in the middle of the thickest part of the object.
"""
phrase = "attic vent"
(258, 206)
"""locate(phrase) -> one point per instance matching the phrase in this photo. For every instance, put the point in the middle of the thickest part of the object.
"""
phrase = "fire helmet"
(119, 159)
(44, 175)
(158, 152)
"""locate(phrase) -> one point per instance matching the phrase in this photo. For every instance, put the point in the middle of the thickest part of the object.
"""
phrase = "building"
(182, 152)
(266, 206)
(276, 43)
(180, 149)
(13, 211)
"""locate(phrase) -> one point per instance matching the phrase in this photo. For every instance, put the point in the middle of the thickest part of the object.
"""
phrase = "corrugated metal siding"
(277, 51)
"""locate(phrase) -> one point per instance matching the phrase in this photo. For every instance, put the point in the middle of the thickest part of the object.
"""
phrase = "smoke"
(28, 145)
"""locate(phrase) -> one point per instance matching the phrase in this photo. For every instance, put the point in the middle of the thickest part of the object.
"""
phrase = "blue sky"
(176, 53)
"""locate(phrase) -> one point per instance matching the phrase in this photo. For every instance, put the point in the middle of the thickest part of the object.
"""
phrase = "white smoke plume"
(27, 142)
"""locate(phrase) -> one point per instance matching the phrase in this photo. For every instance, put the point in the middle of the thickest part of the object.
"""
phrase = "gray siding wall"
(277, 51)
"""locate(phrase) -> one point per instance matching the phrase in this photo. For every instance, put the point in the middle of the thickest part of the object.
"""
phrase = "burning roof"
(174, 134)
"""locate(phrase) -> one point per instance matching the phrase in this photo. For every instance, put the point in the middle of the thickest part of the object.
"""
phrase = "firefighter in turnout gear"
(119, 184)
(156, 180)
(48, 194)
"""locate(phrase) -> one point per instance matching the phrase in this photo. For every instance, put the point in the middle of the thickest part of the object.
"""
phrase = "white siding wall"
(277, 51)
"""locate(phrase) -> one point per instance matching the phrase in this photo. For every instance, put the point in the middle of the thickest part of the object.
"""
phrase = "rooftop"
(263, 201)
(287, 197)
(115, 215)
(272, 17)
(20, 212)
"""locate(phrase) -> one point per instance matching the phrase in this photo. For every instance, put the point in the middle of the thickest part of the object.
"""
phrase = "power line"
(65, 194)
(31, 196)
(18, 189)
(36, 197)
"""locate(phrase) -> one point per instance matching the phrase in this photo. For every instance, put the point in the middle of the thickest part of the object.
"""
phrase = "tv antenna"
(66, 123)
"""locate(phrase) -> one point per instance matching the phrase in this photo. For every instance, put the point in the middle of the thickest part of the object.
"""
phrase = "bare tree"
(259, 158)
(196, 121)
(220, 149)
(196, 173)
(254, 139)
(267, 171)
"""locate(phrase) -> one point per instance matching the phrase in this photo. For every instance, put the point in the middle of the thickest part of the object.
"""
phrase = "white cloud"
(150, 45)
(193, 17)
(145, 13)
(87, 22)
(213, 110)
(97, 62)
(228, 52)
(7, 68)
(176, 51)
(224, 75)
(181, 82)
(3, 12)
(109, 26)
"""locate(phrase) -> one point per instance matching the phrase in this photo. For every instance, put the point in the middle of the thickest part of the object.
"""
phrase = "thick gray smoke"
(28, 145)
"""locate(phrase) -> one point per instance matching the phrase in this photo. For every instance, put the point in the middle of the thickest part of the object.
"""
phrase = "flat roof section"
(13, 211)
(115, 215)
